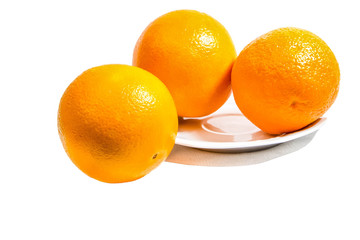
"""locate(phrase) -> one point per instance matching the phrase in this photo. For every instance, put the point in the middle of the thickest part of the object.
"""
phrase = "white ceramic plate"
(228, 130)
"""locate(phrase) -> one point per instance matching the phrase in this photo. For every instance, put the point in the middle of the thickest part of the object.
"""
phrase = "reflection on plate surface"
(226, 127)
(232, 132)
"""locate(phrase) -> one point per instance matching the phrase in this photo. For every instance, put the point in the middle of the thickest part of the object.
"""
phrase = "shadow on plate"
(192, 156)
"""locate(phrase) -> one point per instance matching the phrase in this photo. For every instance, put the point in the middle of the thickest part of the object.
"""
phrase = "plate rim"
(316, 125)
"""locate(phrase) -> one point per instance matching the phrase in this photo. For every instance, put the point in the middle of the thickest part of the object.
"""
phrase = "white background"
(312, 193)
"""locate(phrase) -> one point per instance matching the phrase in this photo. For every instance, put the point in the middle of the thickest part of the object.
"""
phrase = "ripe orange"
(192, 54)
(117, 122)
(285, 80)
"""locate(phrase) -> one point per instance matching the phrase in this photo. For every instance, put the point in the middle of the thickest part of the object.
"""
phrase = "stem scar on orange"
(285, 80)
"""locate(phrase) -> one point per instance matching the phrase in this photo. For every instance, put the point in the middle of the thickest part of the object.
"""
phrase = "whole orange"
(285, 80)
(192, 54)
(117, 122)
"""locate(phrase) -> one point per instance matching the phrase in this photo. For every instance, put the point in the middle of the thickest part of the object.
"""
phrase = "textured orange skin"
(285, 80)
(192, 54)
(117, 122)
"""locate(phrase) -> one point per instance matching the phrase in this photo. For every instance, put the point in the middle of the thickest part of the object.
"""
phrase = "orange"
(285, 80)
(192, 54)
(117, 122)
